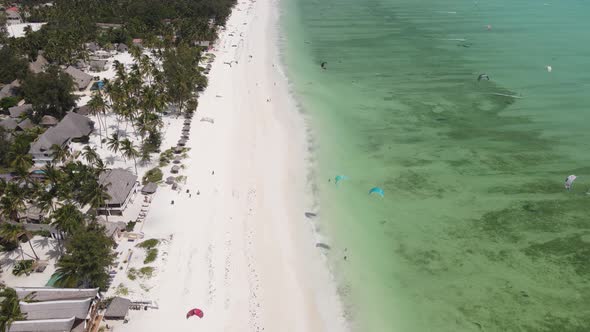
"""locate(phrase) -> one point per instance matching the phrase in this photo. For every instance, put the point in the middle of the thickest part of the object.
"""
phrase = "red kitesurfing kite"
(194, 312)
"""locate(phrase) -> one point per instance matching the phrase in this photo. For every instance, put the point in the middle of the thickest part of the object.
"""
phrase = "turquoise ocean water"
(476, 231)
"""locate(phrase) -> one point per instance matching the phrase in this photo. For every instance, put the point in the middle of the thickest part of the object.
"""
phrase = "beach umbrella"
(339, 178)
(377, 190)
(569, 181)
(194, 312)
(170, 180)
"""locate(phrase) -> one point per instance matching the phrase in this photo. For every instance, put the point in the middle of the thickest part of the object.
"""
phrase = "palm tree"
(13, 233)
(60, 153)
(97, 107)
(129, 151)
(90, 155)
(12, 202)
(95, 194)
(19, 156)
(113, 142)
(67, 219)
(9, 308)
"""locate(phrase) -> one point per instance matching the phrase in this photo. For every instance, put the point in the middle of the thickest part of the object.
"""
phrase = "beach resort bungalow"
(98, 65)
(92, 47)
(56, 309)
(118, 308)
(38, 66)
(81, 79)
(10, 90)
(13, 16)
(48, 121)
(26, 124)
(17, 111)
(73, 127)
(122, 48)
(121, 185)
(9, 124)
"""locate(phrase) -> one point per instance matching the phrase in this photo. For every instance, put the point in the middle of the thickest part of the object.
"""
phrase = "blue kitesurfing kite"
(377, 190)
(338, 178)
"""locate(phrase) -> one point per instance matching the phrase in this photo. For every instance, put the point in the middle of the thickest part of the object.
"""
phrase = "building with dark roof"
(38, 66)
(55, 309)
(121, 185)
(71, 128)
(81, 79)
(10, 90)
(118, 308)
(9, 124)
(17, 111)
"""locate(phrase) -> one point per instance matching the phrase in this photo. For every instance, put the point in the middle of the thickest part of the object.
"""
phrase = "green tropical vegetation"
(88, 256)
(9, 308)
(154, 175)
(159, 82)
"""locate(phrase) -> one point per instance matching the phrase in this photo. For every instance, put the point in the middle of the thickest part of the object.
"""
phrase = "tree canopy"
(87, 259)
(50, 92)
(13, 65)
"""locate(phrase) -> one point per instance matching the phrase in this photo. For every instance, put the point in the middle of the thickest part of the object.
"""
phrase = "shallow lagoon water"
(475, 232)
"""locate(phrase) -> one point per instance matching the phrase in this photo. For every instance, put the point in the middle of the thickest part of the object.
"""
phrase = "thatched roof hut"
(118, 308)
(149, 188)
(48, 121)
(177, 160)
(182, 142)
(170, 180)
(175, 169)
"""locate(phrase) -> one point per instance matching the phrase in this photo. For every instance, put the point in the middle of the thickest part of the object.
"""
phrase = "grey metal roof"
(43, 325)
(56, 309)
(118, 308)
(73, 125)
(38, 65)
(119, 183)
(81, 79)
(53, 294)
(16, 111)
(149, 188)
(9, 124)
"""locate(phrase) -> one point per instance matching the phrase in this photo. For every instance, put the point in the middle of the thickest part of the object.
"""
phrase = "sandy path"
(242, 250)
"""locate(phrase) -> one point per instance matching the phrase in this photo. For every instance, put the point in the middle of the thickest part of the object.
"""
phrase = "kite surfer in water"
(483, 77)
(323, 65)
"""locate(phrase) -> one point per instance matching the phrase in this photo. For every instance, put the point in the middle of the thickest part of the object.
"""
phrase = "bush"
(8, 102)
(130, 225)
(22, 267)
(146, 272)
(132, 274)
(148, 244)
(153, 175)
(151, 256)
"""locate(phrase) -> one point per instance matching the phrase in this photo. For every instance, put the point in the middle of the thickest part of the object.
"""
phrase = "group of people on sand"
(188, 191)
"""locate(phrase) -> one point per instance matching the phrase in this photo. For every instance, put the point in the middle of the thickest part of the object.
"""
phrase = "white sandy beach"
(242, 250)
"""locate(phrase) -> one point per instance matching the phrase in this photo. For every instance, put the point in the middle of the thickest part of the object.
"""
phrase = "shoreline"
(242, 250)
